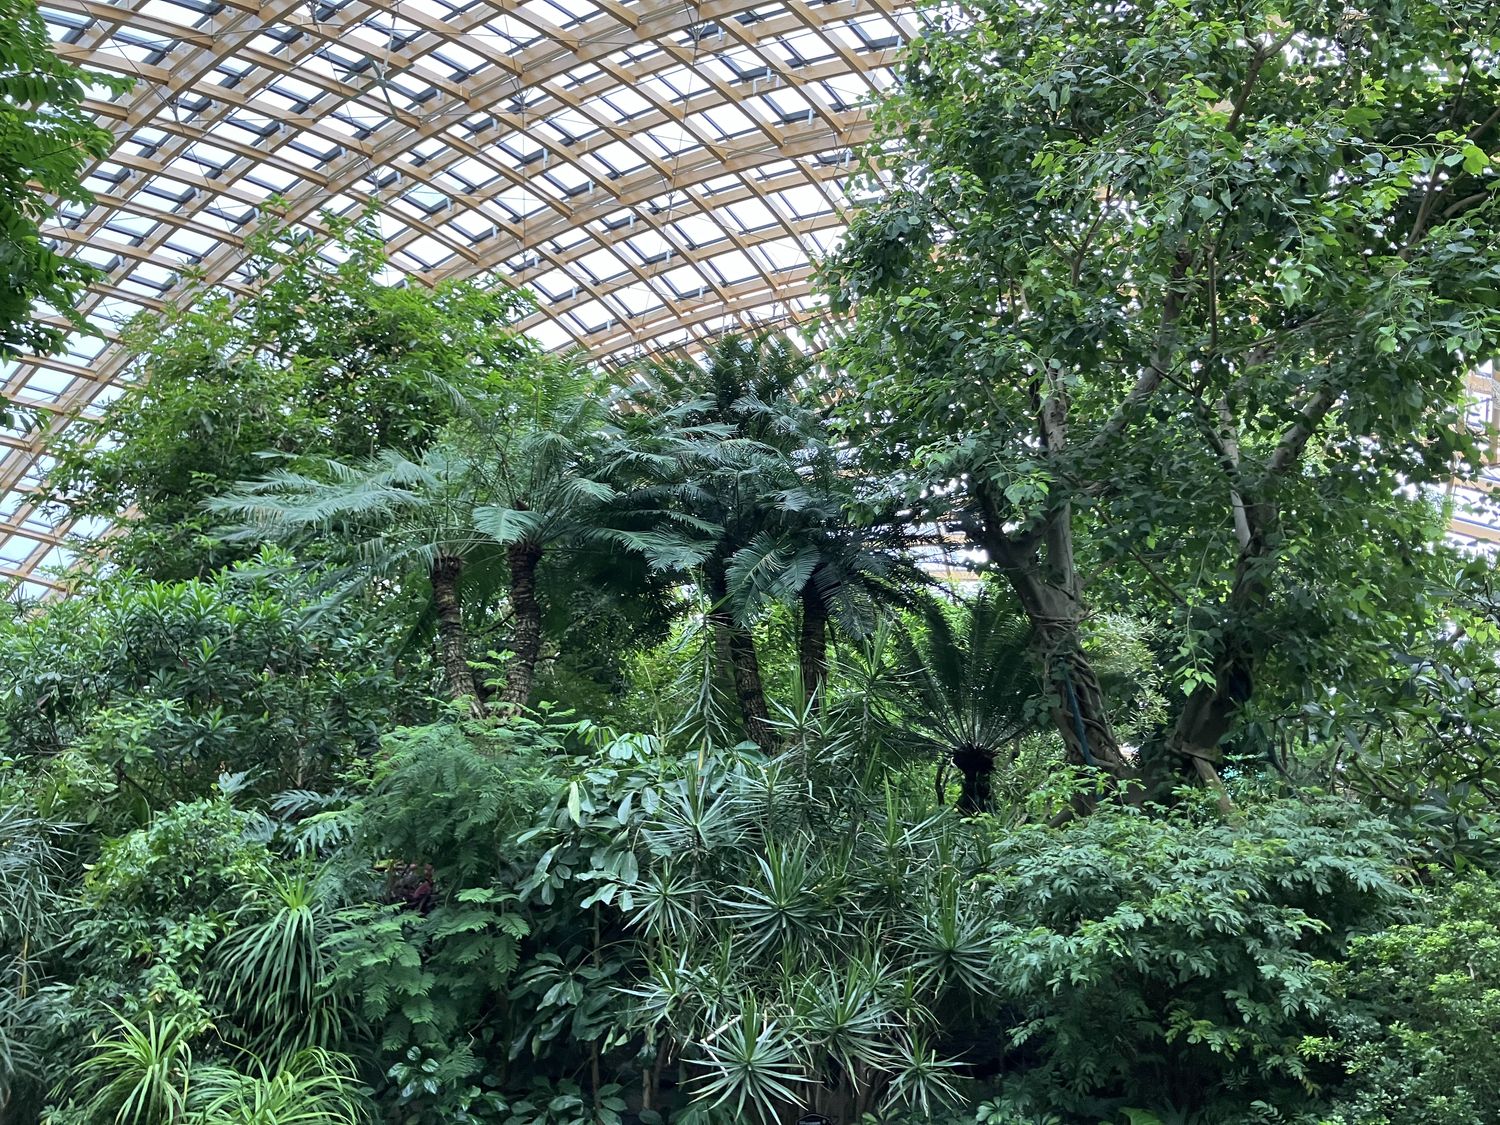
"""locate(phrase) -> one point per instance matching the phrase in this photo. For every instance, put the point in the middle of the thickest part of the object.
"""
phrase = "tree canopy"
(1052, 702)
(1189, 299)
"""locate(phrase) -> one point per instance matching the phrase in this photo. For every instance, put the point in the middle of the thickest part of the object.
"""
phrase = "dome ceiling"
(652, 171)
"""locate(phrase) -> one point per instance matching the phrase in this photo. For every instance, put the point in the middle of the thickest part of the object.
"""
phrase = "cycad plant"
(546, 451)
(522, 475)
(832, 568)
(402, 518)
(972, 689)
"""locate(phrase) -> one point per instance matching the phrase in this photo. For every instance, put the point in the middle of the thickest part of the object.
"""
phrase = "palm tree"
(759, 467)
(818, 556)
(402, 518)
(972, 689)
(520, 475)
(548, 451)
(726, 435)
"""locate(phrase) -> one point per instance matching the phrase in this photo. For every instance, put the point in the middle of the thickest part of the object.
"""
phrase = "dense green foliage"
(324, 361)
(1173, 309)
(455, 733)
(47, 140)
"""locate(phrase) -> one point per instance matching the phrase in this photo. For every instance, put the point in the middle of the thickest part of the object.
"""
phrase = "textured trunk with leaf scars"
(737, 646)
(446, 571)
(976, 769)
(812, 644)
(526, 614)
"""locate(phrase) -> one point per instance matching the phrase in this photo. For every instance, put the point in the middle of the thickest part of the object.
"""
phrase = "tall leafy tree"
(1184, 296)
(47, 140)
(151, 690)
(321, 360)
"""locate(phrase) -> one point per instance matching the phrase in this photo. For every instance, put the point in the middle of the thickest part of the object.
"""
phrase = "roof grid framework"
(655, 170)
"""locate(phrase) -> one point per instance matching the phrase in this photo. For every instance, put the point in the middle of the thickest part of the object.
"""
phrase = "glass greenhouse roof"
(653, 172)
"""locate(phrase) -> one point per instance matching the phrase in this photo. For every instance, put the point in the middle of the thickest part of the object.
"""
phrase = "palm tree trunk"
(526, 612)
(445, 573)
(737, 645)
(812, 645)
(749, 689)
(976, 768)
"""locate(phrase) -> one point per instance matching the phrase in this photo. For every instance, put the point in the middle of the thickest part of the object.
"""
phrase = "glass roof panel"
(643, 169)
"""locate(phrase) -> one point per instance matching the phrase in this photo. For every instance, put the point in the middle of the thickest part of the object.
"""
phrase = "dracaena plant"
(273, 971)
(309, 1087)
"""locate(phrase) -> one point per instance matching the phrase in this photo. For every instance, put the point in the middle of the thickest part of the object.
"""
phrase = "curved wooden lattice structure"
(653, 171)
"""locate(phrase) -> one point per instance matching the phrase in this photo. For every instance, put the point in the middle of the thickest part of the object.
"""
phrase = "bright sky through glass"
(654, 172)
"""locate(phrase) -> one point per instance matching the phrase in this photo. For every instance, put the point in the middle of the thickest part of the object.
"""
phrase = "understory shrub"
(1177, 961)
(1414, 1033)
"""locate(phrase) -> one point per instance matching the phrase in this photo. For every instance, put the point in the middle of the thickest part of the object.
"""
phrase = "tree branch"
(1156, 370)
(1155, 577)
(1484, 126)
(1289, 450)
(1222, 436)
(1263, 54)
(1461, 205)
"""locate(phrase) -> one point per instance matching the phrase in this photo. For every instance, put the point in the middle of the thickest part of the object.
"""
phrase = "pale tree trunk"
(1040, 566)
(1211, 708)
(452, 643)
(736, 645)
(812, 645)
(526, 628)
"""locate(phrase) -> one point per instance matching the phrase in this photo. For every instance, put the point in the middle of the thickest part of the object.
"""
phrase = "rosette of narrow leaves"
(273, 972)
(694, 820)
(752, 1065)
(780, 904)
(141, 1072)
(951, 944)
(312, 1087)
(669, 903)
(924, 1082)
(849, 1023)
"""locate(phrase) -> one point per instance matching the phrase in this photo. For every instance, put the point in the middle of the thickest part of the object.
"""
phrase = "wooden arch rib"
(369, 89)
